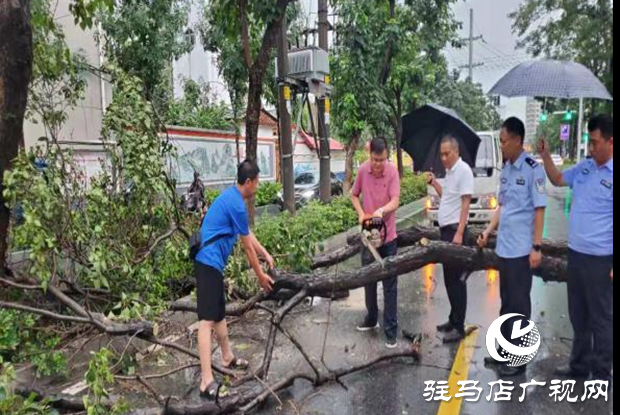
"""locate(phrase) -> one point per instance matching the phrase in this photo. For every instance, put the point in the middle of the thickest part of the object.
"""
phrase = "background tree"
(144, 37)
(15, 73)
(468, 100)
(16, 57)
(386, 60)
(416, 33)
(58, 80)
(197, 108)
(244, 33)
(354, 75)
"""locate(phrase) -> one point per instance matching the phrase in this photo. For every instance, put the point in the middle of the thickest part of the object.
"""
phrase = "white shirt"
(459, 182)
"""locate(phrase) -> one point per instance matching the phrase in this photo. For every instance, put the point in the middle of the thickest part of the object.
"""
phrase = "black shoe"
(367, 326)
(568, 372)
(489, 361)
(511, 372)
(453, 336)
(445, 328)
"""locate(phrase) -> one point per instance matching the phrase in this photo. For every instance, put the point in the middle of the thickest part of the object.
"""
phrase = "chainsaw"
(373, 235)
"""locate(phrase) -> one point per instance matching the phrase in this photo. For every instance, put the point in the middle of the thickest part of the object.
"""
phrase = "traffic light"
(544, 117)
(568, 116)
(586, 138)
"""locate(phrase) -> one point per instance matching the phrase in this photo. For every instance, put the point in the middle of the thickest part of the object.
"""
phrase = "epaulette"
(531, 162)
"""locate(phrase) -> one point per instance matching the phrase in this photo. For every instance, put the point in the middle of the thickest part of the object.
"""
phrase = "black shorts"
(211, 297)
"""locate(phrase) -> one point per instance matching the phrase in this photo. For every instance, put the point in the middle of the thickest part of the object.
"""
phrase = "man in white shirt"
(456, 193)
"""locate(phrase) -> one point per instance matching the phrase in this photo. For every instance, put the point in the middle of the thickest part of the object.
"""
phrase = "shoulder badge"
(531, 162)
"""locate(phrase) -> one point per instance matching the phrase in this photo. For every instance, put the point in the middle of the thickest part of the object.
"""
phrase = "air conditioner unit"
(308, 64)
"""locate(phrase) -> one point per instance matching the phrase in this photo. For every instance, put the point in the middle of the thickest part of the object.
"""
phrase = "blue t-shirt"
(227, 216)
(591, 228)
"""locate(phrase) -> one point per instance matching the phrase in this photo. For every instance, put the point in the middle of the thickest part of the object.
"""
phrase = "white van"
(486, 183)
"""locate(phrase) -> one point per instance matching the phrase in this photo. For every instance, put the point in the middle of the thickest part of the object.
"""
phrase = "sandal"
(238, 364)
(212, 393)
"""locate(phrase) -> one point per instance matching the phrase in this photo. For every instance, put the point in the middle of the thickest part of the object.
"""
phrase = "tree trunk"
(15, 74)
(351, 151)
(409, 260)
(252, 122)
(232, 94)
(412, 236)
(252, 117)
(257, 73)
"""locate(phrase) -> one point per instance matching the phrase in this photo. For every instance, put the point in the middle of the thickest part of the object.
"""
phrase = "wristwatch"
(538, 248)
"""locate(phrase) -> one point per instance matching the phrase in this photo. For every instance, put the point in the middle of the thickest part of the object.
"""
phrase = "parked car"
(487, 173)
(307, 189)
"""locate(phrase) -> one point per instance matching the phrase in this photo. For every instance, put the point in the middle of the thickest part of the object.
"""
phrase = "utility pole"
(286, 133)
(324, 105)
(471, 41)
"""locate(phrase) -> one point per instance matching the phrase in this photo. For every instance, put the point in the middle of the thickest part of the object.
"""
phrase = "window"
(485, 162)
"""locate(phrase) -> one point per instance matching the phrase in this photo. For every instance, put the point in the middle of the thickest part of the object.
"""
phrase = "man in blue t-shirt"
(591, 253)
(225, 222)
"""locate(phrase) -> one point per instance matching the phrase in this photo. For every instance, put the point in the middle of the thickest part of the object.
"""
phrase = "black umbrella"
(423, 131)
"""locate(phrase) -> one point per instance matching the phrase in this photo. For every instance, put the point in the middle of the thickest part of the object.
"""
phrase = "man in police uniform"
(591, 250)
(520, 218)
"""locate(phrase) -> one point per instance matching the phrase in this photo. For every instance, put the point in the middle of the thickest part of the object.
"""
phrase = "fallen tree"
(300, 286)
(326, 283)
(413, 235)
(409, 260)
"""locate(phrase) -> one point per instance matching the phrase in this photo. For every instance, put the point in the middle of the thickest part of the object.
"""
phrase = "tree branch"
(44, 313)
(155, 244)
(245, 33)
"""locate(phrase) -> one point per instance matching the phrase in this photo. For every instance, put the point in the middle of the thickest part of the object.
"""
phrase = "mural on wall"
(216, 161)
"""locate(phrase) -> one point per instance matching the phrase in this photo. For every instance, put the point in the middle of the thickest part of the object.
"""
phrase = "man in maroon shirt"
(376, 194)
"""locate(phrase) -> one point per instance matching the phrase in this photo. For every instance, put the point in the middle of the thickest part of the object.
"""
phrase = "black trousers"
(516, 278)
(455, 286)
(591, 309)
(390, 293)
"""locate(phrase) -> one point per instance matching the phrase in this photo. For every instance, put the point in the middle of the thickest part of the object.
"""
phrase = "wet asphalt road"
(397, 388)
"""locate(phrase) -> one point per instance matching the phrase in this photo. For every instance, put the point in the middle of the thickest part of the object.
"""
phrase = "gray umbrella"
(551, 79)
